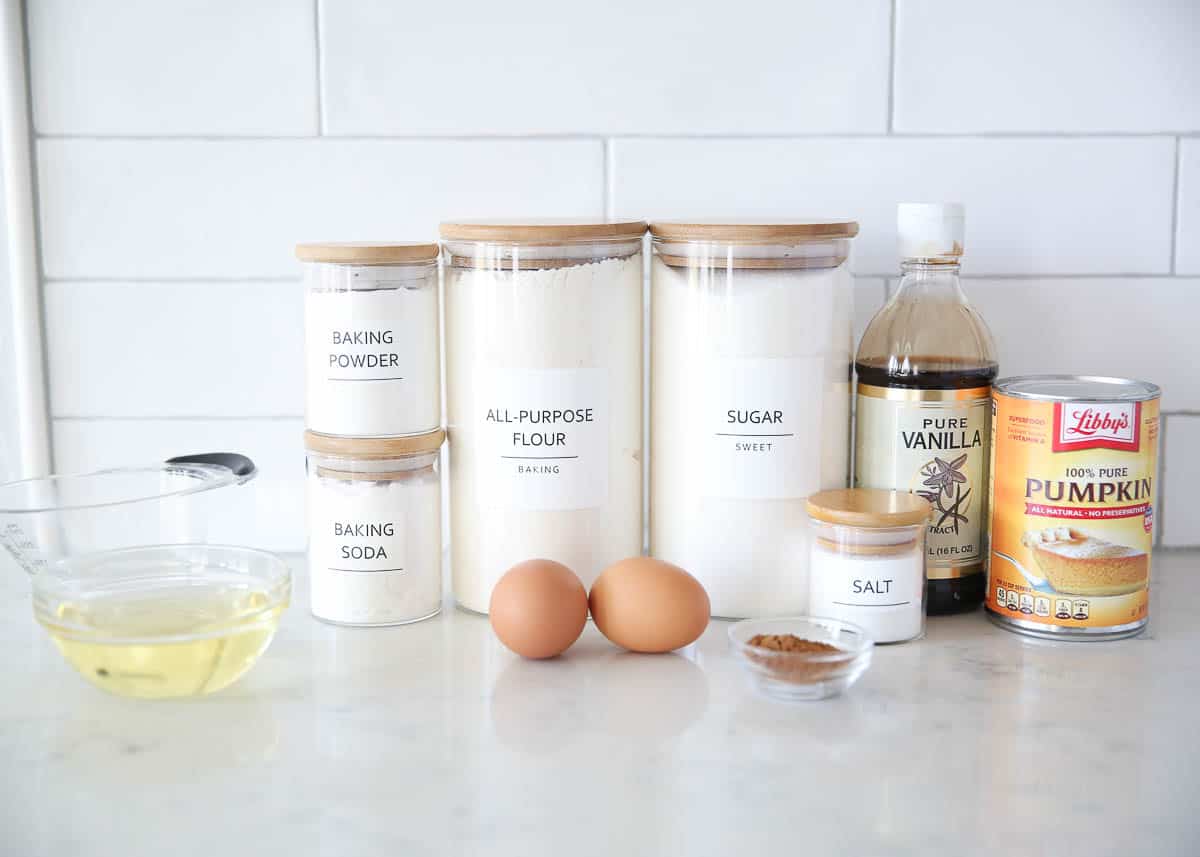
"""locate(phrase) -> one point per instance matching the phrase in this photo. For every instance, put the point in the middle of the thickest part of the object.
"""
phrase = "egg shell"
(647, 605)
(538, 608)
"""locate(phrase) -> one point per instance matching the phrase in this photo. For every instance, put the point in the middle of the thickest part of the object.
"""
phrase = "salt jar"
(750, 352)
(543, 397)
(371, 338)
(868, 560)
(374, 528)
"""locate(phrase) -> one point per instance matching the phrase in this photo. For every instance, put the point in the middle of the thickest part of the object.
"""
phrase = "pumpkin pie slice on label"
(1079, 564)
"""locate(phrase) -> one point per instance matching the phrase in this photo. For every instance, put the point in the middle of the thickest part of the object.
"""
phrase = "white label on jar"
(760, 418)
(543, 438)
(372, 361)
(883, 594)
(357, 526)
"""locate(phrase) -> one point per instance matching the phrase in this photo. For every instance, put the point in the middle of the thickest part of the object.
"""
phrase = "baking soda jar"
(751, 347)
(374, 528)
(544, 397)
(371, 339)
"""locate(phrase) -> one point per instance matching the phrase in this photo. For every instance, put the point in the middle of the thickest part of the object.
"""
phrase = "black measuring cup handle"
(238, 464)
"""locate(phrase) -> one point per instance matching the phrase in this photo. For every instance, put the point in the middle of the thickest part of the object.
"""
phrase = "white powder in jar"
(750, 413)
(375, 545)
(879, 588)
(544, 403)
(372, 354)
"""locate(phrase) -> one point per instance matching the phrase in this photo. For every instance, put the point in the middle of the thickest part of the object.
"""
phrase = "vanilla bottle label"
(934, 443)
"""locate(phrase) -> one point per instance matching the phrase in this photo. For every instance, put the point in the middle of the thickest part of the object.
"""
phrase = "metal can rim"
(1108, 388)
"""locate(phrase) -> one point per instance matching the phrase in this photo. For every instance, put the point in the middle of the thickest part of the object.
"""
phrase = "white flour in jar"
(544, 390)
(375, 546)
(750, 413)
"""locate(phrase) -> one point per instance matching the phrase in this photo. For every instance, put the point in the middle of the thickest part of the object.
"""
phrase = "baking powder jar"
(868, 560)
(372, 361)
(374, 528)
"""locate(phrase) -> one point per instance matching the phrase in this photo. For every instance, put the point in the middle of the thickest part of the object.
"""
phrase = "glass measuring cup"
(52, 518)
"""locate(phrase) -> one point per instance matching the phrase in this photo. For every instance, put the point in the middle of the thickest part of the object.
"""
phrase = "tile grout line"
(194, 418)
(1160, 517)
(1175, 202)
(176, 280)
(1028, 136)
(891, 100)
(320, 69)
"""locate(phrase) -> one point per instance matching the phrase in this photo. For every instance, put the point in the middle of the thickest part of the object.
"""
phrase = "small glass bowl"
(802, 676)
(163, 620)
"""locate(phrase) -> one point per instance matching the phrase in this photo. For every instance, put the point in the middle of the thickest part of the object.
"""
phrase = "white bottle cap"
(930, 230)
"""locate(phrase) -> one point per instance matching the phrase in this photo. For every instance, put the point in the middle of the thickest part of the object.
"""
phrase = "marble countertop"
(433, 739)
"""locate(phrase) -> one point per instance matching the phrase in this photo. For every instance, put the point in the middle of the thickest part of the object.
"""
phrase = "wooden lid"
(753, 232)
(868, 507)
(368, 252)
(374, 447)
(541, 231)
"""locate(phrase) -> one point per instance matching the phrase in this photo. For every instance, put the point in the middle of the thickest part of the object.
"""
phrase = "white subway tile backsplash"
(193, 67)
(267, 512)
(535, 67)
(1034, 206)
(173, 310)
(175, 349)
(1131, 328)
(1181, 475)
(1030, 66)
(1187, 236)
(235, 209)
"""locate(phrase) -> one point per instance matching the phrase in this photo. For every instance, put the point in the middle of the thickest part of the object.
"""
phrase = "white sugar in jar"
(374, 528)
(371, 339)
(543, 397)
(868, 560)
(750, 354)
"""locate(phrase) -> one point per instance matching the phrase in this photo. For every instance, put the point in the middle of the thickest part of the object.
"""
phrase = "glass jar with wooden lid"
(868, 560)
(371, 338)
(544, 396)
(374, 528)
(751, 348)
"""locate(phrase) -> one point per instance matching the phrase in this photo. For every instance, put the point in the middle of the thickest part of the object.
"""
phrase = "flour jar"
(544, 397)
(751, 348)
(371, 338)
(374, 528)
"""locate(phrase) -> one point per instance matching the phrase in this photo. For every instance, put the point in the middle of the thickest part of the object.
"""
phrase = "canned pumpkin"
(1073, 480)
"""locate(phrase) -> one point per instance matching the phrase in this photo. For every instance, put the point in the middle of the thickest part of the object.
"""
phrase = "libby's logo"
(1097, 426)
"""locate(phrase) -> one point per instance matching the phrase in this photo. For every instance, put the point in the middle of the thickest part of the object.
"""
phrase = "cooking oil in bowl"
(149, 624)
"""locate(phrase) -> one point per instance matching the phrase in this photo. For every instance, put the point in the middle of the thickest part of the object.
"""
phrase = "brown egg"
(647, 605)
(538, 608)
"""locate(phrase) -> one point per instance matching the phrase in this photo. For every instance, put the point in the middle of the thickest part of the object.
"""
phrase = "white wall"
(184, 147)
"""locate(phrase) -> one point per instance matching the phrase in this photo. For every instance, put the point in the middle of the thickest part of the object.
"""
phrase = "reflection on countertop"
(433, 738)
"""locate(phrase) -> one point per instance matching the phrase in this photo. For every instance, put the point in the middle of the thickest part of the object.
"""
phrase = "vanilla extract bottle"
(925, 368)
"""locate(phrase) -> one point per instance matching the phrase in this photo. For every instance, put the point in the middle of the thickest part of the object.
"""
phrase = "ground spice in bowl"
(801, 658)
(791, 643)
(798, 669)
